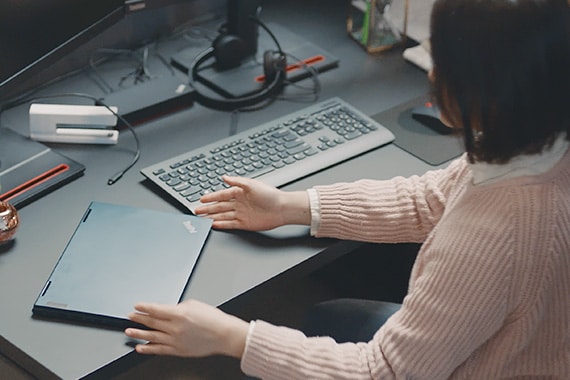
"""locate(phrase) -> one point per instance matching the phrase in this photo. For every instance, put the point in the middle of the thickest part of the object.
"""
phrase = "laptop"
(118, 256)
(29, 169)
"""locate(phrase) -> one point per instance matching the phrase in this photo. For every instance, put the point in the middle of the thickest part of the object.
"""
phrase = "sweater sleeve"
(460, 312)
(456, 303)
(390, 211)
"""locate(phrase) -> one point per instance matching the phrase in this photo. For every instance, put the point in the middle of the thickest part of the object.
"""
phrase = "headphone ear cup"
(228, 51)
(274, 63)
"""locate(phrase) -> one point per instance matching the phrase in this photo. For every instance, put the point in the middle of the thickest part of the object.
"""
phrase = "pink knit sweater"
(489, 294)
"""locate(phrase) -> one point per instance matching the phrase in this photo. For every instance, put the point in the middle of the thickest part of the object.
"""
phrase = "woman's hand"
(252, 205)
(189, 329)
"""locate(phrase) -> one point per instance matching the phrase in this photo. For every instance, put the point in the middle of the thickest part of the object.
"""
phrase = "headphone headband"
(274, 70)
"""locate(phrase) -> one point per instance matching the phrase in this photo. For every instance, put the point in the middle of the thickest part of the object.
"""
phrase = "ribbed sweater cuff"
(269, 350)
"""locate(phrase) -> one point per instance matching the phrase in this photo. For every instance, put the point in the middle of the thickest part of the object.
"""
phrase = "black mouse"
(428, 114)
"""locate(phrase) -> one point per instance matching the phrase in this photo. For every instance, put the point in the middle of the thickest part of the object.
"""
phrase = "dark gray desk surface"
(232, 262)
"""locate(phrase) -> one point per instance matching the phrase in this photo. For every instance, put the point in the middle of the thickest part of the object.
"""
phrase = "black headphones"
(227, 50)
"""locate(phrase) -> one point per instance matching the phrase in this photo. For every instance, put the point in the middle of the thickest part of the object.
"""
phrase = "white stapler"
(73, 124)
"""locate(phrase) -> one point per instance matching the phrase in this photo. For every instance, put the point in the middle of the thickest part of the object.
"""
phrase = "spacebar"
(260, 172)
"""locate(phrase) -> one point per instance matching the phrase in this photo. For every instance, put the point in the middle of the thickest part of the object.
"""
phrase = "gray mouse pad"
(424, 142)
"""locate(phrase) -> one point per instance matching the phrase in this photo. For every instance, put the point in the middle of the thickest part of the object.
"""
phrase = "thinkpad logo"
(190, 227)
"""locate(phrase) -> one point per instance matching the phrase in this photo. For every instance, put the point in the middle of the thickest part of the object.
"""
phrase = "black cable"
(266, 28)
(311, 70)
(139, 74)
(117, 176)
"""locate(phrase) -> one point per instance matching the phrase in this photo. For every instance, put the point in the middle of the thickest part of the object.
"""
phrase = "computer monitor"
(36, 33)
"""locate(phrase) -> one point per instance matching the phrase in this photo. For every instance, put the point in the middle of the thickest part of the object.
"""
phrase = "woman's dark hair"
(502, 73)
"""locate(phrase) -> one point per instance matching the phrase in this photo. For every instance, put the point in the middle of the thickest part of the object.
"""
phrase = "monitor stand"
(247, 78)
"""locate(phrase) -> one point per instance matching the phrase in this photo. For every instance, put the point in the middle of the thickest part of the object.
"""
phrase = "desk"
(232, 262)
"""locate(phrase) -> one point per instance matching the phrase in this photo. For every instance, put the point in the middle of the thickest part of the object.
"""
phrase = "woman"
(488, 294)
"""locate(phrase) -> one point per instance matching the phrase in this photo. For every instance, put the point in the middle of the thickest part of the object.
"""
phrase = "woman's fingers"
(156, 317)
(221, 195)
(155, 310)
(155, 349)
(149, 335)
(215, 208)
(158, 342)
